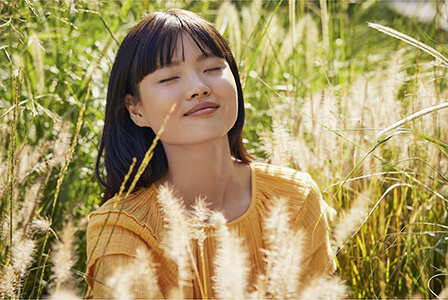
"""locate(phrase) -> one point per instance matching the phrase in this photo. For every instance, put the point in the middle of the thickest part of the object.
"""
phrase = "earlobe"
(133, 109)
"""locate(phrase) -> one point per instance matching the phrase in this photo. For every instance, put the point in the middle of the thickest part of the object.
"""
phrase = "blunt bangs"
(158, 42)
(151, 44)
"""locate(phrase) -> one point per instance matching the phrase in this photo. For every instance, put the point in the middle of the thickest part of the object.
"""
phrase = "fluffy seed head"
(177, 238)
(8, 282)
(23, 255)
(283, 253)
(135, 276)
(231, 270)
(345, 227)
(63, 257)
(325, 288)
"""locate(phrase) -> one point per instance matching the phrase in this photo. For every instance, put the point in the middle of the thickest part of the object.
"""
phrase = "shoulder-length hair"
(149, 45)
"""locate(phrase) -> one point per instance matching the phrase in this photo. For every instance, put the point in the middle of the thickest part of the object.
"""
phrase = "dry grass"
(321, 105)
(231, 264)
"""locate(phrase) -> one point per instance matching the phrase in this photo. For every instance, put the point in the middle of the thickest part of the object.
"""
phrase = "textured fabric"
(138, 223)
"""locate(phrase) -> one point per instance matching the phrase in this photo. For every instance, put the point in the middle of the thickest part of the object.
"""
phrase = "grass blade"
(411, 41)
(414, 116)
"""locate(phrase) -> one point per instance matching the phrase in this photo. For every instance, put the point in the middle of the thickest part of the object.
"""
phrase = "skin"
(196, 145)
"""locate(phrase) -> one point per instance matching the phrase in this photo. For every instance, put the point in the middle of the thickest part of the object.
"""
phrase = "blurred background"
(322, 90)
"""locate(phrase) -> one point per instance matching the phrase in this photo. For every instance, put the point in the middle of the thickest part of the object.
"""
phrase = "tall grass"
(363, 112)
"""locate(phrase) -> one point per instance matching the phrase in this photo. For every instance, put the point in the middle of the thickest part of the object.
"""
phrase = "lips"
(201, 106)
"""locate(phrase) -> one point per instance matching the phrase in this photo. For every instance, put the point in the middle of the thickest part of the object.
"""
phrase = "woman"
(177, 58)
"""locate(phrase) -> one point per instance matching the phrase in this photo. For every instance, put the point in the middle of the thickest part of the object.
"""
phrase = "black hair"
(149, 45)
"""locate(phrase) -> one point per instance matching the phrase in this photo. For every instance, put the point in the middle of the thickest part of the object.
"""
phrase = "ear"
(133, 107)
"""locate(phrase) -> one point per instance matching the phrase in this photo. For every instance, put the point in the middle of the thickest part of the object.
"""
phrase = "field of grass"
(363, 112)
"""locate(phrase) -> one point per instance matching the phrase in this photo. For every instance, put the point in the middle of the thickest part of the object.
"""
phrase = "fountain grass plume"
(231, 268)
(325, 288)
(61, 179)
(12, 157)
(118, 197)
(21, 259)
(63, 258)
(139, 275)
(64, 294)
(200, 213)
(283, 253)
(22, 255)
(278, 145)
(177, 239)
(370, 213)
(345, 226)
(8, 282)
(200, 210)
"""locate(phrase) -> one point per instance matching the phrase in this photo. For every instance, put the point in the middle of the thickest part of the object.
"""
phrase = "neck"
(205, 169)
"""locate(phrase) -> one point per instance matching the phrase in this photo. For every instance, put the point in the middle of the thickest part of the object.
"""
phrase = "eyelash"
(207, 70)
(168, 79)
(213, 69)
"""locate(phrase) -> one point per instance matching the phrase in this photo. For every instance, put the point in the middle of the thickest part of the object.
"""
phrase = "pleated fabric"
(118, 228)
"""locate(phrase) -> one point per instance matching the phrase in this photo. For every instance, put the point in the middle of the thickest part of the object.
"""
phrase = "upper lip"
(200, 106)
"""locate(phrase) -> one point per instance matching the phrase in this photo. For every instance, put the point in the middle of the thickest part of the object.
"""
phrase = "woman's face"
(203, 89)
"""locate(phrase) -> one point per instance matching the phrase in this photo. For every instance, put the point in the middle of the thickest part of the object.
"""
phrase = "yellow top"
(140, 224)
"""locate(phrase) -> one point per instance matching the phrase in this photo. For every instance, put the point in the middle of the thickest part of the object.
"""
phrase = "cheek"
(232, 96)
(229, 84)
(233, 93)
(154, 113)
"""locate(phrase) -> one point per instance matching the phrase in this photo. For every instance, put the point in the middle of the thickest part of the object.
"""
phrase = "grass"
(363, 112)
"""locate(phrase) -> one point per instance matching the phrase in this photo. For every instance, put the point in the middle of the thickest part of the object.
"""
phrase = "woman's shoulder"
(285, 181)
(137, 212)
(134, 204)
(302, 192)
(308, 209)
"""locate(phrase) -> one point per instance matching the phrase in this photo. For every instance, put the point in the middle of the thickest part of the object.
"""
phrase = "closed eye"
(214, 69)
(168, 79)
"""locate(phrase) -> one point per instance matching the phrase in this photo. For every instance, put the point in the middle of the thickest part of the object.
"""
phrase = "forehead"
(187, 47)
(162, 41)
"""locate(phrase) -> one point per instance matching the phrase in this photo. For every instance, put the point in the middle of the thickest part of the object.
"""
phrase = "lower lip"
(203, 112)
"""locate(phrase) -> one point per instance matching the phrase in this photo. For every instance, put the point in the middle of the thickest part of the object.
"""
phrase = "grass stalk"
(202, 283)
(59, 183)
(411, 41)
(116, 198)
(414, 116)
(73, 49)
(203, 286)
(147, 158)
(369, 152)
(371, 212)
(12, 156)
(265, 31)
(441, 240)
(149, 154)
(325, 24)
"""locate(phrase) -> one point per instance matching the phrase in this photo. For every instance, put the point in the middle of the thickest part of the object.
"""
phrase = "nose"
(197, 95)
(198, 89)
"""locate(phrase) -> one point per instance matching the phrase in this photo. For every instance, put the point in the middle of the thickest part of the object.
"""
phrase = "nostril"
(204, 93)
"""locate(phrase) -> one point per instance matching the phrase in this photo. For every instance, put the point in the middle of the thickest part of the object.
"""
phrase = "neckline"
(252, 198)
(253, 191)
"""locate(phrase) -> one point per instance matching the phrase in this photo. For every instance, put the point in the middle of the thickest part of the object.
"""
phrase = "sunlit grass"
(363, 112)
